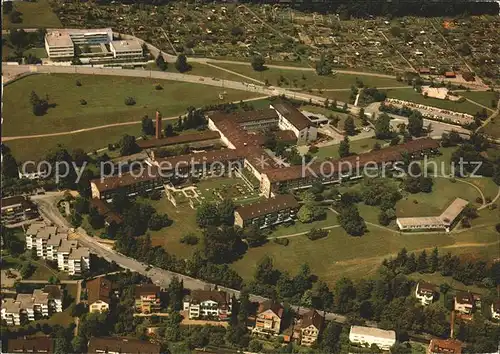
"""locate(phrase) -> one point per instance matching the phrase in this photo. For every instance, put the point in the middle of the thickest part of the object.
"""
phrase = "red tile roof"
(292, 114)
(126, 179)
(445, 346)
(271, 205)
(99, 289)
(179, 139)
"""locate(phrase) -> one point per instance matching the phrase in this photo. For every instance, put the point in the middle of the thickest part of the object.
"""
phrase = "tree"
(351, 221)
(9, 166)
(156, 222)
(148, 127)
(422, 264)
(349, 126)
(160, 62)
(258, 63)
(175, 293)
(207, 215)
(254, 236)
(96, 220)
(128, 146)
(383, 127)
(344, 147)
(434, 260)
(305, 213)
(225, 212)
(181, 64)
(323, 67)
(415, 123)
(15, 17)
(169, 130)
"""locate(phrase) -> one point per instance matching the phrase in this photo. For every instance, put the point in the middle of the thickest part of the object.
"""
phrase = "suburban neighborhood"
(250, 177)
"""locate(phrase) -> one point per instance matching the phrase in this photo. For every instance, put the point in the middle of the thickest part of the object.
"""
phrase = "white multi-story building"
(63, 253)
(11, 312)
(60, 43)
(290, 118)
(42, 303)
(42, 237)
(366, 336)
(126, 49)
(208, 304)
(53, 245)
(424, 292)
(78, 260)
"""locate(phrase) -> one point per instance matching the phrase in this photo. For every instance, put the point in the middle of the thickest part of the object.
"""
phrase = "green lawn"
(492, 128)
(37, 52)
(296, 78)
(37, 148)
(105, 97)
(298, 227)
(36, 14)
(434, 203)
(184, 221)
(356, 146)
(62, 318)
(411, 95)
(483, 97)
(438, 279)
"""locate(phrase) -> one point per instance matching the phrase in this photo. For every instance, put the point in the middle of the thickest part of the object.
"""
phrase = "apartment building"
(367, 336)
(464, 302)
(309, 327)
(444, 346)
(17, 209)
(424, 292)
(126, 49)
(99, 293)
(147, 298)
(40, 304)
(273, 211)
(290, 118)
(132, 183)
(59, 45)
(120, 345)
(208, 304)
(32, 345)
(269, 317)
(54, 246)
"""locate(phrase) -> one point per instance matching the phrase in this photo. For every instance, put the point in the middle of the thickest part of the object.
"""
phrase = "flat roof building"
(367, 336)
(60, 43)
(266, 213)
(129, 48)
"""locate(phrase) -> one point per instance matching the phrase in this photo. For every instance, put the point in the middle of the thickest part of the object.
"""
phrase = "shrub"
(282, 241)
(315, 234)
(313, 149)
(479, 200)
(158, 87)
(190, 239)
(83, 102)
(155, 195)
(130, 101)
(78, 83)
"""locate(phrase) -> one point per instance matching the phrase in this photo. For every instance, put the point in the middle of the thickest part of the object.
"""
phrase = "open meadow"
(34, 14)
(105, 101)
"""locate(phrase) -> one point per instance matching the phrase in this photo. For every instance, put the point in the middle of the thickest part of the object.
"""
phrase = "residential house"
(269, 317)
(211, 304)
(147, 298)
(367, 336)
(55, 297)
(444, 346)
(99, 293)
(119, 345)
(33, 345)
(424, 292)
(464, 303)
(495, 310)
(17, 209)
(78, 261)
(273, 211)
(309, 327)
(105, 211)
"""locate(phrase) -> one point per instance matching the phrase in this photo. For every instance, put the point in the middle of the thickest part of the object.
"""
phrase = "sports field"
(105, 97)
(35, 14)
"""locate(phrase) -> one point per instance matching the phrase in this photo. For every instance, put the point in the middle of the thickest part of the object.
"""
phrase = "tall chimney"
(158, 125)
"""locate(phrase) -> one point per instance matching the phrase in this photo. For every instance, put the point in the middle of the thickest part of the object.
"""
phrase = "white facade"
(131, 49)
(98, 306)
(495, 312)
(366, 336)
(425, 296)
(60, 43)
(208, 304)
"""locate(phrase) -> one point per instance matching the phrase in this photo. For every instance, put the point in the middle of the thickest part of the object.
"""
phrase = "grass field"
(483, 97)
(37, 148)
(438, 279)
(34, 15)
(309, 78)
(356, 146)
(200, 69)
(411, 95)
(105, 97)
(298, 227)
(492, 128)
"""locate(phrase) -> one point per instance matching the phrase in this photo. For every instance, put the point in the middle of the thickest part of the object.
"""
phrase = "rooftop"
(292, 114)
(271, 205)
(33, 228)
(220, 297)
(312, 318)
(40, 297)
(271, 305)
(420, 221)
(374, 332)
(146, 289)
(464, 298)
(445, 346)
(99, 289)
(78, 253)
(126, 179)
(67, 245)
(453, 210)
(425, 287)
(121, 345)
(11, 306)
(104, 210)
(126, 45)
(58, 38)
(54, 291)
(33, 345)
(178, 139)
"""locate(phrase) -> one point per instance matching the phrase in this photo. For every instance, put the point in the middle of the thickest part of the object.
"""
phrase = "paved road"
(159, 276)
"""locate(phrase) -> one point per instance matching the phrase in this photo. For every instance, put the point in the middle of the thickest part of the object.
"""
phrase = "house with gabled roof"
(269, 318)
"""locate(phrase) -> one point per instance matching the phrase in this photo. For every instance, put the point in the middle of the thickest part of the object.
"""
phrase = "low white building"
(366, 336)
(290, 118)
(424, 292)
(464, 303)
(126, 49)
(209, 304)
(59, 45)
